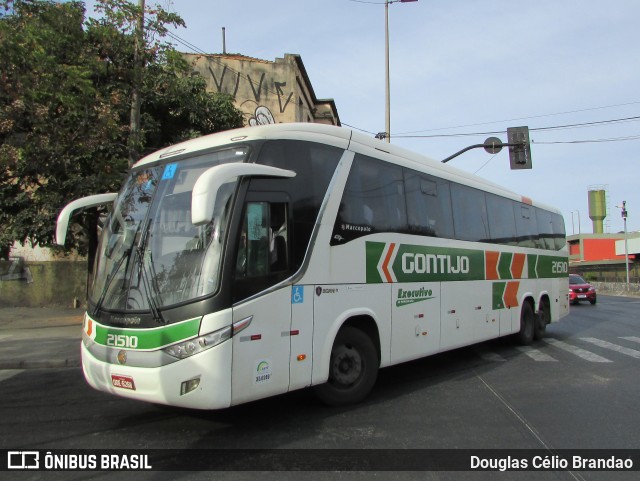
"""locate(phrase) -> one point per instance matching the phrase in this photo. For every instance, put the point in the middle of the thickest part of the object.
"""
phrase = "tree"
(57, 132)
(64, 109)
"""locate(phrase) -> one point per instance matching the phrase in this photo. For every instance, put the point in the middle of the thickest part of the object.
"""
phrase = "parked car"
(580, 290)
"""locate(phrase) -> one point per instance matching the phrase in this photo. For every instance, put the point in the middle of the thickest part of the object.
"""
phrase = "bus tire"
(353, 369)
(542, 319)
(527, 325)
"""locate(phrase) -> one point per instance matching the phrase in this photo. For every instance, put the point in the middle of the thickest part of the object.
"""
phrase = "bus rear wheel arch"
(353, 368)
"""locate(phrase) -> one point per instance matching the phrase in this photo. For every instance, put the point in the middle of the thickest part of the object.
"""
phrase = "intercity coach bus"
(257, 261)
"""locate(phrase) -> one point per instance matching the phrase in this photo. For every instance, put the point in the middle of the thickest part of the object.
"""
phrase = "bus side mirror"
(62, 223)
(206, 187)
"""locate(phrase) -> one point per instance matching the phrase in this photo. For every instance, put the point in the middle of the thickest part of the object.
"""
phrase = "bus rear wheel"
(527, 325)
(543, 318)
(353, 369)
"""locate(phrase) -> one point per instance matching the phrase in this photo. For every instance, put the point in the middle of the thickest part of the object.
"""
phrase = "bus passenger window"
(545, 229)
(502, 220)
(428, 205)
(373, 201)
(469, 213)
(526, 227)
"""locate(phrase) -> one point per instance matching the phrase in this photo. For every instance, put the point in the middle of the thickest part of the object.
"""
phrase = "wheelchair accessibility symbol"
(297, 295)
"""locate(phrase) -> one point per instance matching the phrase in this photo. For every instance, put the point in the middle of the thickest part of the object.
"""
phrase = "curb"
(55, 364)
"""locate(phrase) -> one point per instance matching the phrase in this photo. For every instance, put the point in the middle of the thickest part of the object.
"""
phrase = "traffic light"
(519, 147)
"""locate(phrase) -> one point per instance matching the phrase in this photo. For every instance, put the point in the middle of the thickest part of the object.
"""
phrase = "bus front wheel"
(353, 369)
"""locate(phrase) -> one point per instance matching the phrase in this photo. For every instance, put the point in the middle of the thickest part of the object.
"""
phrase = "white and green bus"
(257, 261)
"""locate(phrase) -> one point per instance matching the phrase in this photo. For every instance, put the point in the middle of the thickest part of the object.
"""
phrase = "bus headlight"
(188, 348)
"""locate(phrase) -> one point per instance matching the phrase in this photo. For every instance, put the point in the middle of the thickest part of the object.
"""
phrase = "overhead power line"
(538, 129)
(365, 1)
(357, 128)
(517, 119)
(590, 141)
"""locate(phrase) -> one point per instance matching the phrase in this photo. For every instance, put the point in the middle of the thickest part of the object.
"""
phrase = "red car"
(580, 290)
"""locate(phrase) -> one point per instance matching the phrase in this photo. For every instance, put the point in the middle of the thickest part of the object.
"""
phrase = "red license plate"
(123, 382)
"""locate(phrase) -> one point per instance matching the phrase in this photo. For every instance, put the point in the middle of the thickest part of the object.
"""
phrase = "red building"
(595, 254)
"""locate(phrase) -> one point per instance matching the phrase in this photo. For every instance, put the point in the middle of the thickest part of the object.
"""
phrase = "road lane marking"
(612, 347)
(631, 338)
(536, 354)
(582, 353)
(4, 336)
(9, 373)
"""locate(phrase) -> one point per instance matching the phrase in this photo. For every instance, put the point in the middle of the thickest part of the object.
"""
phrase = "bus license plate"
(123, 382)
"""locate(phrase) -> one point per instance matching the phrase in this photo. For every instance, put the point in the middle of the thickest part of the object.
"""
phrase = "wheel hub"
(347, 366)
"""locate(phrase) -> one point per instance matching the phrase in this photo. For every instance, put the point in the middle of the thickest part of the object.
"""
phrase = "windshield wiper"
(149, 287)
(114, 272)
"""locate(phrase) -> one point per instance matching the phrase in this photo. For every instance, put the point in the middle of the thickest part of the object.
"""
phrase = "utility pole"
(224, 42)
(138, 66)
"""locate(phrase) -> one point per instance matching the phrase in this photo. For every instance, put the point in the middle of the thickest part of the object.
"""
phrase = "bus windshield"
(150, 254)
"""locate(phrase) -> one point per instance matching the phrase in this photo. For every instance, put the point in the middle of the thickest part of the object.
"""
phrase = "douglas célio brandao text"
(550, 462)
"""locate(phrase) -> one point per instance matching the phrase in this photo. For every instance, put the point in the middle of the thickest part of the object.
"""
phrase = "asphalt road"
(577, 389)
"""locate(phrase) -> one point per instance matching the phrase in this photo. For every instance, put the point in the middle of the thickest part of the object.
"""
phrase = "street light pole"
(387, 121)
(387, 118)
(626, 245)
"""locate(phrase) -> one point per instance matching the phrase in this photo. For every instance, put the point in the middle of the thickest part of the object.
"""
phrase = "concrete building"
(266, 92)
(601, 256)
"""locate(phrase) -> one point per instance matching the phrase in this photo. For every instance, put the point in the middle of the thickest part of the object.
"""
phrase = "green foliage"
(65, 101)
(53, 120)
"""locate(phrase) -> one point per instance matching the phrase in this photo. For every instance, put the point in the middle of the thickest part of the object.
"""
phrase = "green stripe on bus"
(431, 264)
(146, 339)
(413, 263)
(373, 254)
(504, 265)
(497, 295)
(552, 266)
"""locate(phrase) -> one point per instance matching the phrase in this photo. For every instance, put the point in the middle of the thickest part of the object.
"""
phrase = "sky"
(569, 70)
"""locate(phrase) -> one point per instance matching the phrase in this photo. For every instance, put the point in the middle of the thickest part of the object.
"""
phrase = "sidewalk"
(35, 338)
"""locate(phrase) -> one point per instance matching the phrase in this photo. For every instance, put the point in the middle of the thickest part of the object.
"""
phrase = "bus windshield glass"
(150, 254)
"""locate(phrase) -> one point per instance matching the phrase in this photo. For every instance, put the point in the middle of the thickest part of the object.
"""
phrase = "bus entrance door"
(261, 351)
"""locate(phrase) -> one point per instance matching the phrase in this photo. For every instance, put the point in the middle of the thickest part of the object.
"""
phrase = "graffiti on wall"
(15, 270)
(262, 116)
(229, 81)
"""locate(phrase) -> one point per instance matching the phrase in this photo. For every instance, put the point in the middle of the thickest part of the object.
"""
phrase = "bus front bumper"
(202, 381)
